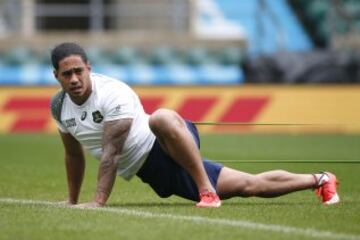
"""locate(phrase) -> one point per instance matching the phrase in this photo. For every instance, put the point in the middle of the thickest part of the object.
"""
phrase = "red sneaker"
(327, 191)
(208, 200)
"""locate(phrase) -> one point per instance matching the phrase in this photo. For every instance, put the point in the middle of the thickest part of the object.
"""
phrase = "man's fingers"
(89, 205)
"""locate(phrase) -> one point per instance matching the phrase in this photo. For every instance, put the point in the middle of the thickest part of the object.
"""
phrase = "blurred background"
(230, 60)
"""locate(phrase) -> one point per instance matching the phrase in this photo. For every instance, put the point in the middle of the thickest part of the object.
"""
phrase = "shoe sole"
(218, 204)
(334, 200)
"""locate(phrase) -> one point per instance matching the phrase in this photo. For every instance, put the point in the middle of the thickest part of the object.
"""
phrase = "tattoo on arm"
(114, 136)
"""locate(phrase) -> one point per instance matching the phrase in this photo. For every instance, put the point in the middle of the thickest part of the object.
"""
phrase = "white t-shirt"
(110, 100)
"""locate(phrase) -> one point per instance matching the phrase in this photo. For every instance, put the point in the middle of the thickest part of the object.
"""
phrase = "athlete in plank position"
(105, 117)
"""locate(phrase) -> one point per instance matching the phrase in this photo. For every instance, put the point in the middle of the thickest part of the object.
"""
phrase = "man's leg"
(233, 183)
(174, 137)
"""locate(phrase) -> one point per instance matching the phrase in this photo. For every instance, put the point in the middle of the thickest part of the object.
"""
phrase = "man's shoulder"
(103, 79)
(56, 104)
(107, 85)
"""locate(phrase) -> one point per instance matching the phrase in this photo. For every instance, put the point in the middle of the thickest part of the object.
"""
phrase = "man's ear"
(55, 72)
(88, 65)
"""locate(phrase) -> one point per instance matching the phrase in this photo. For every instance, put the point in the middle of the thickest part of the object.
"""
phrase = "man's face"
(74, 76)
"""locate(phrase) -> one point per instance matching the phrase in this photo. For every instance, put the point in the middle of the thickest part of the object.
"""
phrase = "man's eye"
(66, 74)
(78, 70)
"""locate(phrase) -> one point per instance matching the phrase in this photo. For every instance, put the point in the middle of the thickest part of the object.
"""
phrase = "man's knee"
(164, 120)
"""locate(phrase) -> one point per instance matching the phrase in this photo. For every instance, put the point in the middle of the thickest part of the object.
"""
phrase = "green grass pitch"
(32, 170)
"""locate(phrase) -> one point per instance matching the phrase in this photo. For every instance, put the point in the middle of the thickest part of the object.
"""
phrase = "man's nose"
(73, 79)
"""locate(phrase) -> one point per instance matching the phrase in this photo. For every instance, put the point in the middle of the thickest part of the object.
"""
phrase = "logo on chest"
(97, 117)
(83, 116)
(69, 122)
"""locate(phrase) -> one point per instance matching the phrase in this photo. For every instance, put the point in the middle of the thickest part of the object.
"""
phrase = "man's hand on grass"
(89, 205)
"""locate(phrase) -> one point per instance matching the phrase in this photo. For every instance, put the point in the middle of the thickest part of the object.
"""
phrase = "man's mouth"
(75, 90)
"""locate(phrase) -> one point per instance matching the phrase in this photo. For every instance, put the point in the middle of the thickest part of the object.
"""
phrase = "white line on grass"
(286, 161)
(309, 232)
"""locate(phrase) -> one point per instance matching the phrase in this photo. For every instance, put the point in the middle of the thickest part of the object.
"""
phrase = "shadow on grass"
(192, 204)
(269, 203)
(152, 204)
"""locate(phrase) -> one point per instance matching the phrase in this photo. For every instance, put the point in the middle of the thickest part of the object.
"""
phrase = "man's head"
(72, 70)
(64, 50)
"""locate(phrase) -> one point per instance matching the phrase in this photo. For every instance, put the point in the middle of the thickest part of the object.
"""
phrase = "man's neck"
(82, 99)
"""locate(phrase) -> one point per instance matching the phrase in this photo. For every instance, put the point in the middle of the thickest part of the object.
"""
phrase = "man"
(105, 117)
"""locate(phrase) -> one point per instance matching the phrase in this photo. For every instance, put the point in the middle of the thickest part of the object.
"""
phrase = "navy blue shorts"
(167, 178)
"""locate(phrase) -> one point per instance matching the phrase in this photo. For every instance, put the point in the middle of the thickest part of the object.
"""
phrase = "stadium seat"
(97, 55)
(197, 56)
(352, 6)
(229, 56)
(18, 56)
(163, 55)
(125, 55)
(317, 10)
(44, 57)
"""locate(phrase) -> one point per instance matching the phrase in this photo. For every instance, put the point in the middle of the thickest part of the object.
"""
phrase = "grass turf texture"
(32, 168)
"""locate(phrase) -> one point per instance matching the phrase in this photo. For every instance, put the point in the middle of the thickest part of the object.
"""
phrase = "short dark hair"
(64, 50)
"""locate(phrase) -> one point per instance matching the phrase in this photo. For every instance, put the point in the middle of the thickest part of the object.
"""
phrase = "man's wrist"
(99, 204)
(101, 198)
(72, 201)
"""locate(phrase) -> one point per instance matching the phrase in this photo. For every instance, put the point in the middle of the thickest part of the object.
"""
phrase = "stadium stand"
(271, 25)
(326, 20)
(159, 66)
(181, 56)
(144, 59)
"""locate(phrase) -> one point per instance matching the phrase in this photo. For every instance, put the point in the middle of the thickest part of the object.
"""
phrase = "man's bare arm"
(114, 136)
(75, 166)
